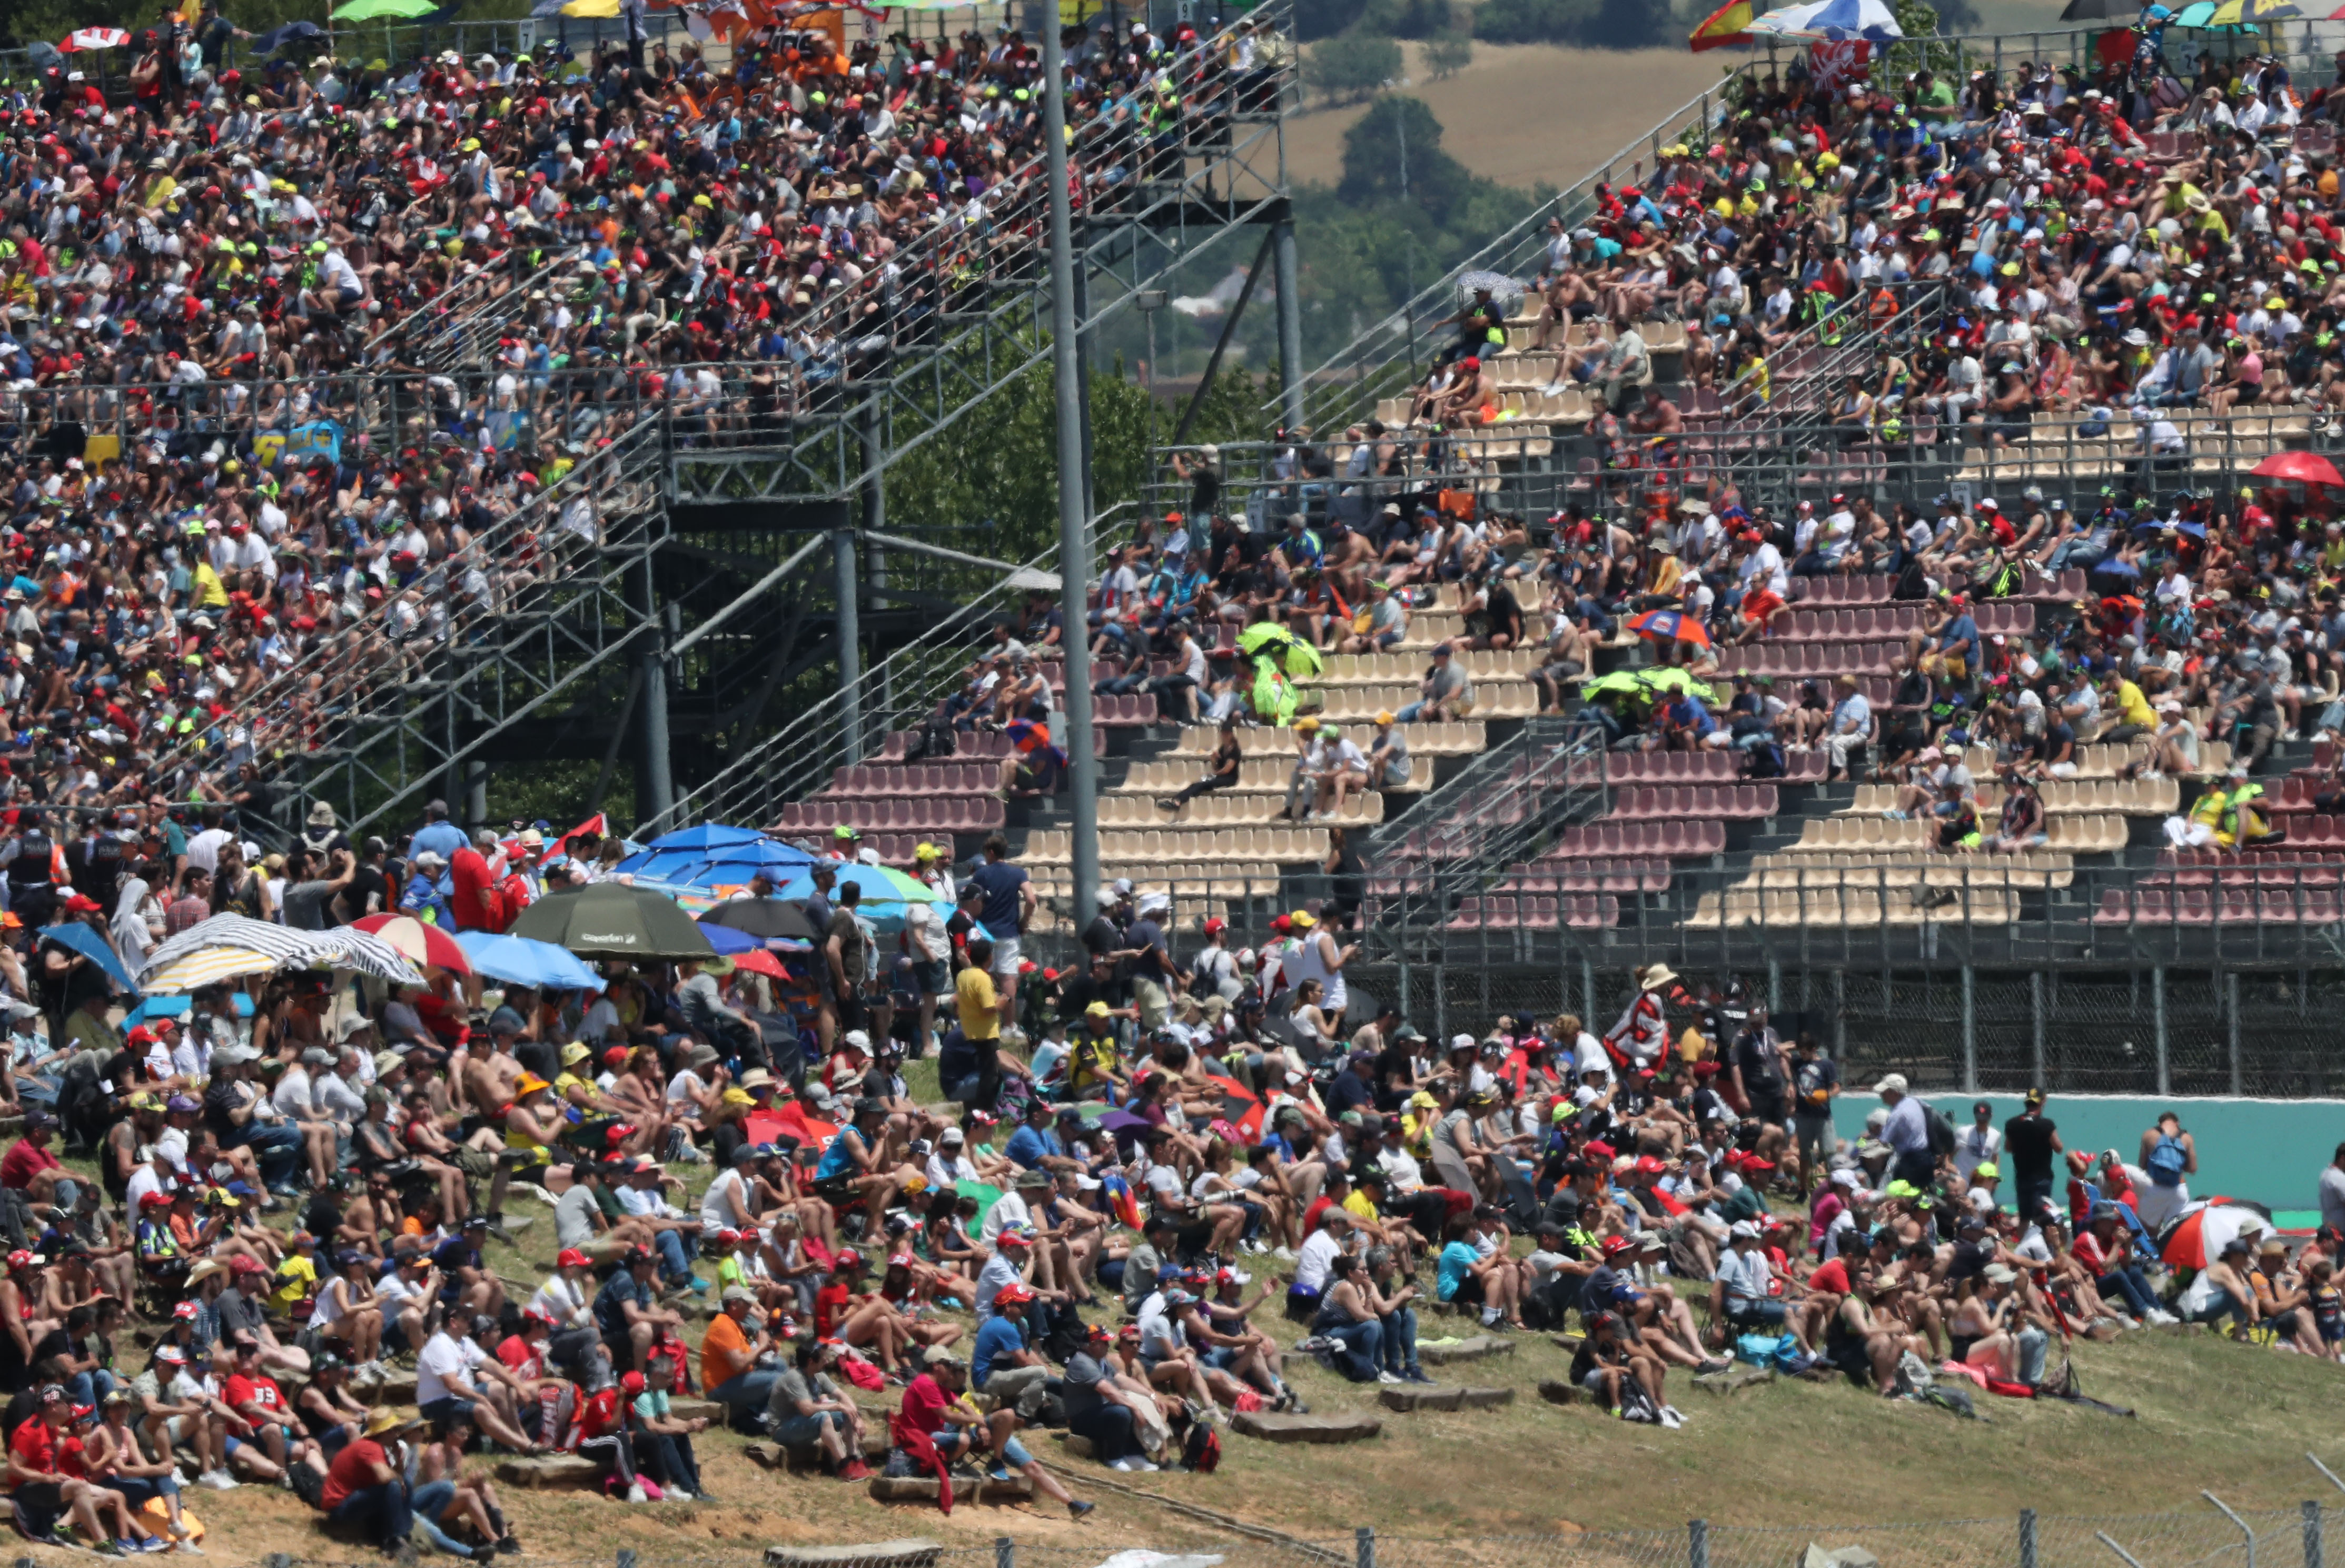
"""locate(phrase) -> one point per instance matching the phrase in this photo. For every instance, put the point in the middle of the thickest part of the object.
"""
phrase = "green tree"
(1446, 54)
(1405, 18)
(1353, 67)
(1396, 144)
(1532, 21)
(1628, 25)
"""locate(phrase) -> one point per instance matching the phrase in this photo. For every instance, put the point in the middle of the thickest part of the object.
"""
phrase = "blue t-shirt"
(1457, 1260)
(1028, 1145)
(996, 1337)
(1001, 882)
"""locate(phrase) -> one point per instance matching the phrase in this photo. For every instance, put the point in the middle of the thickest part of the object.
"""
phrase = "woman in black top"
(1349, 876)
(1220, 770)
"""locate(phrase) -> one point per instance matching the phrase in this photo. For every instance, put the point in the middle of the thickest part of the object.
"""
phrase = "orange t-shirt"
(724, 1352)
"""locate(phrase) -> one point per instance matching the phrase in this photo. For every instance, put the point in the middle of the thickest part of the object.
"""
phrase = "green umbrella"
(368, 10)
(986, 1194)
(1671, 678)
(613, 920)
(1620, 683)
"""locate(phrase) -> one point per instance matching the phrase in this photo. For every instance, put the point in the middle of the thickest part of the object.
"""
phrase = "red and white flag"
(1834, 65)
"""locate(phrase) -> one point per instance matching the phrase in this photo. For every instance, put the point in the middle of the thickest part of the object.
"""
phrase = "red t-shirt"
(23, 1162)
(829, 1307)
(33, 1446)
(924, 1404)
(519, 1356)
(352, 1471)
(1832, 1277)
(242, 1391)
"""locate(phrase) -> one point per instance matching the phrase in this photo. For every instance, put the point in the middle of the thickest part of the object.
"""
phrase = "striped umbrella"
(276, 942)
(212, 966)
(347, 947)
(340, 948)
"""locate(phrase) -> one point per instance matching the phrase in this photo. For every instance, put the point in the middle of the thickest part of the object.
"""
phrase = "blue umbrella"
(715, 856)
(724, 939)
(524, 961)
(79, 939)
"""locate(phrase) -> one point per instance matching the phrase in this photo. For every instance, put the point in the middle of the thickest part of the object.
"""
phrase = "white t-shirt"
(441, 1358)
(1315, 1258)
(1008, 1209)
(1975, 1146)
(724, 1204)
(565, 1303)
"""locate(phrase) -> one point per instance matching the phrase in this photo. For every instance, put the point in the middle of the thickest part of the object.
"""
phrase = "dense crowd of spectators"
(251, 483)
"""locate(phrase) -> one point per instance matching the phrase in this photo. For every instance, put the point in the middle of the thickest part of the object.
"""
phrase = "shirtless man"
(1473, 400)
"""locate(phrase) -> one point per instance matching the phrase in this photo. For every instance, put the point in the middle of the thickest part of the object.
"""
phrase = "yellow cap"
(1384, 716)
(1303, 919)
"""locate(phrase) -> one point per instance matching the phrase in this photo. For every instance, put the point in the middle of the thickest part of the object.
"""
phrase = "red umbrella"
(757, 961)
(426, 945)
(2306, 468)
(1672, 626)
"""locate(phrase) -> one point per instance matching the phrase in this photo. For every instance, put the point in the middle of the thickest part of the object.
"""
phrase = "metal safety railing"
(898, 692)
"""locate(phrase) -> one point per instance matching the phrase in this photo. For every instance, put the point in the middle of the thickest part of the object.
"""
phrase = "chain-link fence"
(2146, 1031)
(2213, 1535)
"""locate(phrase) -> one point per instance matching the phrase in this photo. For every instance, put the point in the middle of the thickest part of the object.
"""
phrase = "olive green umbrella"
(613, 920)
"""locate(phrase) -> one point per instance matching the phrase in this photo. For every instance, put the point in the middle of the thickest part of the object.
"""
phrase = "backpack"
(308, 1484)
(1203, 1450)
(2165, 1162)
(1765, 761)
(932, 740)
(1942, 1131)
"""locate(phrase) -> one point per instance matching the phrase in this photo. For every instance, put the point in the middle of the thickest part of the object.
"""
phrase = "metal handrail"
(794, 761)
(1334, 390)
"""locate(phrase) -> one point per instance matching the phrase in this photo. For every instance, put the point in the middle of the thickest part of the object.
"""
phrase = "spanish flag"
(1722, 27)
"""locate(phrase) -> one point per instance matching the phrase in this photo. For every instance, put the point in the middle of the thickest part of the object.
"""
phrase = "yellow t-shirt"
(1357, 1203)
(211, 593)
(2134, 706)
(974, 994)
(297, 1278)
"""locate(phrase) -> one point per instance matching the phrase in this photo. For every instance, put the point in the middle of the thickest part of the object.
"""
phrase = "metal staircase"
(669, 586)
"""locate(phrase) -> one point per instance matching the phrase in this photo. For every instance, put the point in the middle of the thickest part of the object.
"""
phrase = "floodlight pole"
(1074, 527)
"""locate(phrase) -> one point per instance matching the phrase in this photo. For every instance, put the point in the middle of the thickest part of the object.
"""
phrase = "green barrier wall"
(2271, 1151)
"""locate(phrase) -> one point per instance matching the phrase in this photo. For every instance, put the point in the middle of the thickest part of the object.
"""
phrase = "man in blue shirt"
(1906, 1132)
(1008, 904)
(1957, 643)
(438, 834)
(1034, 1146)
(999, 1363)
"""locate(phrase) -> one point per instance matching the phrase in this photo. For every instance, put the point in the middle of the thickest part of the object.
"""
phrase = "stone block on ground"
(905, 1552)
(1484, 1398)
(1559, 1392)
(1741, 1375)
(1343, 1427)
(552, 1471)
(1419, 1398)
(398, 1388)
(1473, 1348)
(808, 1455)
(1568, 1341)
(923, 1489)
(690, 1409)
(1075, 1443)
